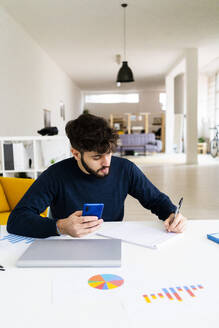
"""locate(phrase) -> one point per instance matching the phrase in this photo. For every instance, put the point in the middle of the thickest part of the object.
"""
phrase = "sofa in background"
(142, 142)
(11, 191)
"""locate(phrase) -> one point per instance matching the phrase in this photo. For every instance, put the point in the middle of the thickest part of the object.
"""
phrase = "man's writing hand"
(177, 224)
(77, 225)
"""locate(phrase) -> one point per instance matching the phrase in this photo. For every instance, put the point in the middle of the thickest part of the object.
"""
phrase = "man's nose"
(105, 161)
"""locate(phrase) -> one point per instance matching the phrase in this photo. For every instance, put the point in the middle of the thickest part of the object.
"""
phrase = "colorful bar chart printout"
(14, 239)
(173, 293)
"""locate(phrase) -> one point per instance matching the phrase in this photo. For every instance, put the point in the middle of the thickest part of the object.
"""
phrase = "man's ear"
(76, 154)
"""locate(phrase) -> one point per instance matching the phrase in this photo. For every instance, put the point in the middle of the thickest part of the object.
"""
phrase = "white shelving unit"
(40, 153)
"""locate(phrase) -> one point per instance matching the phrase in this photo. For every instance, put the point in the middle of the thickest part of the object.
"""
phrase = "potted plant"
(201, 140)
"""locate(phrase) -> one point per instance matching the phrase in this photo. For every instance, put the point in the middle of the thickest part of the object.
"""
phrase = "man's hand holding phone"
(78, 224)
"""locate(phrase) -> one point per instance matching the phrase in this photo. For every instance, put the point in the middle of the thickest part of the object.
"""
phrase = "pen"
(177, 209)
(2, 268)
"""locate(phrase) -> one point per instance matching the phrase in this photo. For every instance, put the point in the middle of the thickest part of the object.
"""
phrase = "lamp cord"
(124, 34)
(124, 5)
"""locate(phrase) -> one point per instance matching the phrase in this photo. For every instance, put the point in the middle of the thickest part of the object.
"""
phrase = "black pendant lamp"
(125, 73)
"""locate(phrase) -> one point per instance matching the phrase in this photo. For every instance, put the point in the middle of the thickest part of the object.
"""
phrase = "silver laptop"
(72, 253)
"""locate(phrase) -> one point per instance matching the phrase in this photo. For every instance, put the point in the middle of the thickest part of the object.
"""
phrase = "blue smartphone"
(214, 237)
(93, 210)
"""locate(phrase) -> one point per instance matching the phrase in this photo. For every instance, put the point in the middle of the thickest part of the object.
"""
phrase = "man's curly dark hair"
(91, 133)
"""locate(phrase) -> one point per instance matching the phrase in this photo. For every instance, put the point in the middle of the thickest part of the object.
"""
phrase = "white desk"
(61, 297)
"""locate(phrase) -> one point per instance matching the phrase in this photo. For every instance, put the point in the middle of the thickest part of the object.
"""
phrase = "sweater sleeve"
(148, 195)
(25, 219)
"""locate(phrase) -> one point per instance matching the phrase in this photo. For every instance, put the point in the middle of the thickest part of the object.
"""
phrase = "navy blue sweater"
(65, 188)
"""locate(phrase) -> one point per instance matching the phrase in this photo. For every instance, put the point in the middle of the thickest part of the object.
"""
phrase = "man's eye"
(96, 158)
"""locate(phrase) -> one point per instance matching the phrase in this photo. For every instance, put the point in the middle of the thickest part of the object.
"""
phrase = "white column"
(169, 115)
(179, 68)
(191, 85)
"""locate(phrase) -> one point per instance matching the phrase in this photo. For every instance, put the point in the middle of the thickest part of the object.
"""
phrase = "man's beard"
(89, 170)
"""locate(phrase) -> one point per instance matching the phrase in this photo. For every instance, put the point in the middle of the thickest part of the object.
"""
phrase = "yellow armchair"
(11, 191)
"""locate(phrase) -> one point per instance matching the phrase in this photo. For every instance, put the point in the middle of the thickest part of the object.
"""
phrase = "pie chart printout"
(105, 281)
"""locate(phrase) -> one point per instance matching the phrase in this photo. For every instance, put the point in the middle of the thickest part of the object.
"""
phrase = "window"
(163, 100)
(112, 98)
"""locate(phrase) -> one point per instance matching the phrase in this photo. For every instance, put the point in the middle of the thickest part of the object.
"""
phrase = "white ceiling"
(83, 36)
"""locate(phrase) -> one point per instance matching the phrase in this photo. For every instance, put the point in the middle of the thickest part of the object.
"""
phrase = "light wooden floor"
(198, 184)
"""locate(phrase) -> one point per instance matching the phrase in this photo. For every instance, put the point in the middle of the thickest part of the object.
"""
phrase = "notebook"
(72, 253)
(139, 233)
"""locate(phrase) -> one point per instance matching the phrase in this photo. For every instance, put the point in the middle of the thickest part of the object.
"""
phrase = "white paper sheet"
(71, 289)
(190, 312)
(138, 233)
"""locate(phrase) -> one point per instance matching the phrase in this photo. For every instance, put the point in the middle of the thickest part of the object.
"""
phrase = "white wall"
(29, 82)
(148, 102)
